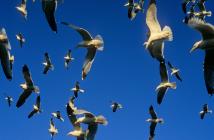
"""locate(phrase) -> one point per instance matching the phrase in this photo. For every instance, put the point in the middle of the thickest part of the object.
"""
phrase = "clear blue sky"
(124, 72)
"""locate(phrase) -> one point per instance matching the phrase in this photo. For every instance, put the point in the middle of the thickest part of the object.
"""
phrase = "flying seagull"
(115, 106)
(207, 44)
(48, 65)
(52, 130)
(205, 111)
(5, 56)
(154, 121)
(155, 42)
(36, 108)
(71, 112)
(22, 8)
(9, 100)
(174, 71)
(92, 45)
(185, 3)
(134, 8)
(77, 89)
(28, 87)
(203, 12)
(57, 115)
(49, 8)
(68, 58)
(165, 84)
(21, 39)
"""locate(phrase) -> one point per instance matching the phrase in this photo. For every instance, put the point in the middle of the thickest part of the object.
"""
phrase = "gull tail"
(102, 120)
(173, 85)
(169, 33)
(36, 89)
(101, 47)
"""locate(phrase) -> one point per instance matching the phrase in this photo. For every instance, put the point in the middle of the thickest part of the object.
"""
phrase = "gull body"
(9, 100)
(174, 71)
(57, 115)
(22, 8)
(48, 65)
(205, 111)
(68, 58)
(77, 89)
(52, 129)
(21, 39)
(115, 106)
(36, 108)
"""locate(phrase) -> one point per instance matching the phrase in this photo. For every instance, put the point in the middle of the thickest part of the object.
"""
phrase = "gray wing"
(161, 93)
(201, 5)
(157, 50)
(152, 112)
(206, 29)
(91, 132)
(84, 33)
(38, 101)
(24, 2)
(46, 69)
(49, 8)
(23, 97)
(31, 114)
(170, 65)
(88, 62)
(209, 71)
(72, 117)
(47, 59)
(163, 72)
(151, 18)
(27, 75)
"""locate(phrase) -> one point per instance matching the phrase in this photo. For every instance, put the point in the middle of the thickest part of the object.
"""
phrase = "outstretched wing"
(91, 131)
(152, 112)
(23, 97)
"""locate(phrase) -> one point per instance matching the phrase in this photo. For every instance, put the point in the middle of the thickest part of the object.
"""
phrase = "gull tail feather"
(168, 30)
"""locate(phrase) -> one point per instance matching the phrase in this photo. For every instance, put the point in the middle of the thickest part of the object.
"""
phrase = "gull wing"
(156, 51)
(163, 72)
(49, 8)
(209, 71)
(84, 33)
(161, 93)
(151, 18)
(206, 29)
(27, 75)
(91, 131)
(47, 59)
(201, 5)
(38, 101)
(152, 130)
(170, 65)
(32, 113)
(152, 112)
(88, 62)
(23, 97)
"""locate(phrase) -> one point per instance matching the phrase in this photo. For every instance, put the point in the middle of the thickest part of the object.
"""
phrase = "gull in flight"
(165, 84)
(207, 44)
(174, 71)
(154, 121)
(5, 56)
(156, 36)
(115, 106)
(134, 8)
(21, 39)
(77, 89)
(22, 8)
(68, 58)
(48, 65)
(185, 3)
(9, 100)
(28, 87)
(204, 111)
(52, 130)
(36, 108)
(57, 115)
(92, 45)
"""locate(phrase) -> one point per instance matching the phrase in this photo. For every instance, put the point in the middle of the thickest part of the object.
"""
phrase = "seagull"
(203, 12)
(6, 58)
(9, 100)
(207, 44)
(77, 89)
(49, 8)
(68, 58)
(22, 8)
(165, 84)
(116, 106)
(52, 130)
(174, 71)
(36, 108)
(185, 3)
(205, 111)
(134, 8)
(155, 43)
(78, 131)
(92, 45)
(21, 39)
(28, 87)
(154, 120)
(48, 65)
(57, 115)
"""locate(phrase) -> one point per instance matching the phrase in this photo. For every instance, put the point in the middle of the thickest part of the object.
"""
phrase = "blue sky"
(123, 72)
